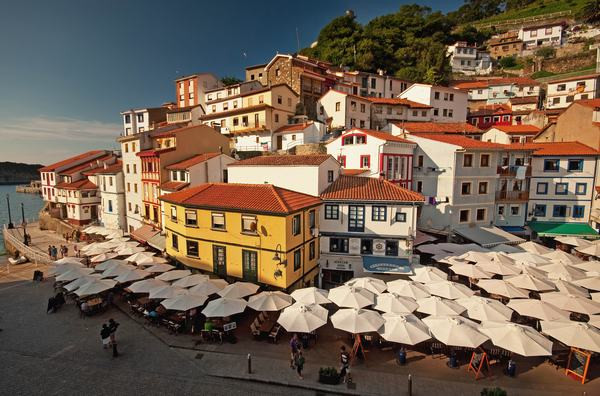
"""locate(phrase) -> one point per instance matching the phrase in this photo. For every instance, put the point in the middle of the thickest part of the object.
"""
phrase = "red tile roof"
(252, 198)
(523, 100)
(471, 85)
(521, 81)
(154, 152)
(189, 162)
(462, 141)
(522, 129)
(398, 101)
(575, 78)
(556, 148)
(368, 189)
(593, 103)
(438, 127)
(490, 110)
(354, 172)
(70, 160)
(173, 186)
(87, 165)
(380, 135)
(347, 94)
(284, 160)
(110, 169)
(294, 127)
(83, 184)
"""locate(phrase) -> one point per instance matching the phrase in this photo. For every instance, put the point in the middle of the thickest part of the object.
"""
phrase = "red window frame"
(368, 157)
(342, 160)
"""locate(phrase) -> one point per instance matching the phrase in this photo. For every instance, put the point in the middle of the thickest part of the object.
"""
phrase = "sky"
(67, 68)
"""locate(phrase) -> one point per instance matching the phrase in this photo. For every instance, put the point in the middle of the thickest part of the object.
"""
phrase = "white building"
(469, 60)
(308, 174)
(141, 120)
(302, 132)
(198, 169)
(375, 85)
(561, 93)
(499, 90)
(548, 34)
(189, 90)
(111, 191)
(448, 104)
(507, 134)
(343, 110)
(512, 189)
(380, 153)
(387, 110)
(367, 228)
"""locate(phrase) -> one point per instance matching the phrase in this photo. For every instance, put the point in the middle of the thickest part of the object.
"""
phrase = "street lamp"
(24, 225)
(10, 223)
(277, 257)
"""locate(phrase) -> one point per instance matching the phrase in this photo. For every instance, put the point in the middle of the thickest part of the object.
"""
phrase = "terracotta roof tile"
(556, 148)
(189, 162)
(251, 198)
(438, 127)
(522, 129)
(88, 164)
(575, 78)
(521, 81)
(369, 189)
(83, 184)
(173, 186)
(379, 135)
(294, 127)
(593, 103)
(109, 169)
(490, 110)
(284, 160)
(524, 100)
(462, 141)
(70, 160)
(471, 85)
(354, 172)
(398, 101)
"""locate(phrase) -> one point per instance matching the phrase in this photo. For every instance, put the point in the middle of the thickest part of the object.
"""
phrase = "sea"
(32, 204)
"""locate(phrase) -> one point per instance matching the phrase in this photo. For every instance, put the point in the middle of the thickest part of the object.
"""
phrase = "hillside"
(538, 8)
(13, 172)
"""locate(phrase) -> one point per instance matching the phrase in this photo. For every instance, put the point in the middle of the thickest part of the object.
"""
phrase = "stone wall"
(313, 148)
(46, 222)
(564, 64)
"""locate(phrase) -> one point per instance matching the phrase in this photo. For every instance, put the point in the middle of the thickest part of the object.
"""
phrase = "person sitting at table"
(51, 305)
(209, 325)
(85, 309)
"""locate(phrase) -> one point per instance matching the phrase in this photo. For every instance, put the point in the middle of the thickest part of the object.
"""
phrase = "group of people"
(297, 359)
(53, 251)
(107, 334)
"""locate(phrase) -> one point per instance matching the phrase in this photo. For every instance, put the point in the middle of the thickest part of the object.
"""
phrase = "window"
(445, 112)
(128, 187)
(362, 123)
(436, 95)
(311, 250)
(249, 224)
(551, 165)
(467, 160)
(464, 215)
(450, 113)
(217, 221)
(559, 211)
(175, 242)
(391, 248)
(279, 99)
(561, 189)
(332, 212)
(539, 210)
(311, 219)
(373, 83)
(366, 246)
(484, 160)
(420, 161)
(276, 118)
(555, 101)
(451, 97)
(436, 112)
(580, 188)
(514, 210)
(191, 219)
(465, 188)
(575, 165)
(126, 148)
(174, 214)
(337, 106)
(578, 211)
(356, 218)
(379, 213)
(365, 161)
(297, 259)
(362, 108)
(353, 105)
(250, 265)
(420, 186)
(296, 225)
(501, 210)
(542, 188)
(361, 139)
(127, 118)
(401, 217)
(480, 214)
(289, 102)
(329, 176)
(140, 117)
(483, 187)
(192, 248)
(338, 245)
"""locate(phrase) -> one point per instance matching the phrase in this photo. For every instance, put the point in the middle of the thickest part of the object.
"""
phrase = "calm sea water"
(32, 203)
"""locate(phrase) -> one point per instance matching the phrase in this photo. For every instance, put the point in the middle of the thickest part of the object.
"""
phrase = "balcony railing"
(512, 170)
(512, 195)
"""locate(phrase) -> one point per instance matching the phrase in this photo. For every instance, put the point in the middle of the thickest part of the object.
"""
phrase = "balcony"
(512, 196)
(512, 170)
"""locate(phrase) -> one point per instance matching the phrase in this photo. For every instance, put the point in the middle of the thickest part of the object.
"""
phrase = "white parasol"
(574, 334)
(455, 331)
(351, 297)
(166, 292)
(109, 264)
(517, 338)
(374, 285)
(560, 270)
(428, 275)
(191, 280)
(94, 287)
(502, 288)
(223, 307)
(238, 290)
(536, 248)
(73, 274)
(170, 276)
(470, 270)
(132, 275)
(157, 268)
(481, 308)
(438, 306)
(80, 282)
(103, 257)
(269, 301)
(184, 302)
(310, 295)
(538, 309)
(592, 283)
(117, 270)
(408, 288)
(357, 321)
(211, 286)
(566, 287)
(394, 303)
(303, 318)
(144, 286)
(572, 303)
(404, 329)
(449, 290)
(530, 282)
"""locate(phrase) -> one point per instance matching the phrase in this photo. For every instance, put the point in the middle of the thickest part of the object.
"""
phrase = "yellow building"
(257, 233)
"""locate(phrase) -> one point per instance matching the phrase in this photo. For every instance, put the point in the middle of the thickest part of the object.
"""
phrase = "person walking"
(54, 253)
(299, 364)
(66, 250)
(112, 325)
(105, 336)
(76, 250)
(294, 347)
(50, 251)
(345, 363)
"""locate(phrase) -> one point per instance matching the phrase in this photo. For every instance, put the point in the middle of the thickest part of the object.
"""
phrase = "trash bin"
(402, 357)
(452, 363)
(512, 369)
(38, 276)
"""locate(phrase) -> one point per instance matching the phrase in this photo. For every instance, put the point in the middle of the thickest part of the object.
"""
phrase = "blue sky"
(69, 67)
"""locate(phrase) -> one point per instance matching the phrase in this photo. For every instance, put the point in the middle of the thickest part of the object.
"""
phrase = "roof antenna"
(298, 39)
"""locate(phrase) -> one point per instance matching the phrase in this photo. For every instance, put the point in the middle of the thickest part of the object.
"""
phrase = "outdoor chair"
(256, 323)
(274, 334)
(255, 331)
(217, 335)
(262, 317)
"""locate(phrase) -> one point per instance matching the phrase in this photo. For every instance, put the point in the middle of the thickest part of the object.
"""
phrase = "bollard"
(249, 364)
(409, 384)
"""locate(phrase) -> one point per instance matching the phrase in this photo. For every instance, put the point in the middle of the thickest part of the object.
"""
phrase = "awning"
(488, 236)
(158, 242)
(421, 237)
(550, 229)
(144, 233)
(387, 265)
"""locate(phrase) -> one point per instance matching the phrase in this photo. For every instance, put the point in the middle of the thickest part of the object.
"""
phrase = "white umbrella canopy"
(572, 303)
(303, 318)
(222, 307)
(592, 283)
(502, 288)
(157, 268)
(61, 269)
(72, 274)
(211, 286)
(357, 321)
(310, 295)
(482, 309)
(351, 297)
(536, 248)
(238, 290)
(504, 248)
(184, 302)
(428, 275)
(94, 287)
(117, 270)
(594, 321)
(374, 285)
(559, 255)
(80, 282)
(498, 267)
(470, 270)
(90, 229)
(591, 249)
(530, 258)
(588, 266)
(438, 306)
(408, 288)
(96, 250)
(572, 241)
(90, 246)
(170, 276)
(166, 292)
(191, 280)
(144, 286)
(501, 258)
(112, 244)
(595, 297)
(517, 338)
(394, 303)
(449, 290)
(566, 287)
(68, 260)
(103, 257)
(475, 257)
(455, 331)
(531, 270)
(132, 275)
(574, 334)
(129, 250)
(538, 309)
(404, 329)
(563, 271)
(141, 258)
(530, 282)
(109, 264)
(269, 301)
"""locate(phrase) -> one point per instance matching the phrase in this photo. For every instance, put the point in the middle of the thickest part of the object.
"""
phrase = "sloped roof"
(252, 198)
(68, 161)
(471, 85)
(490, 110)
(522, 129)
(593, 103)
(189, 162)
(369, 189)
(575, 78)
(398, 101)
(83, 184)
(462, 141)
(354, 172)
(380, 135)
(522, 81)
(438, 127)
(173, 186)
(556, 148)
(284, 160)
(294, 127)
(86, 166)
(524, 100)
(109, 169)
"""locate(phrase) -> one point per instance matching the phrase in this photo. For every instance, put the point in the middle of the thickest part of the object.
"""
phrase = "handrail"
(27, 251)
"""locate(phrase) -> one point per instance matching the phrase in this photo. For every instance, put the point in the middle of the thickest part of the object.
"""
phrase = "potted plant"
(329, 375)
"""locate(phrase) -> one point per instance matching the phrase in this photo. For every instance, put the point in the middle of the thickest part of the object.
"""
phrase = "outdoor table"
(267, 326)
(92, 302)
(143, 300)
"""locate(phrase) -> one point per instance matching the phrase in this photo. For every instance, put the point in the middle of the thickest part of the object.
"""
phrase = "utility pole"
(298, 40)
(10, 223)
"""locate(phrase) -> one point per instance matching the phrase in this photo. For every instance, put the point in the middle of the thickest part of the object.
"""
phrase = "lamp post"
(24, 225)
(10, 223)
